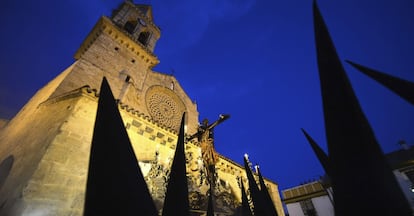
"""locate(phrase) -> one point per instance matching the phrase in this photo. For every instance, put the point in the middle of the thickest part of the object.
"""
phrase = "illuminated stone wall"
(57, 183)
(25, 139)
(57, 186)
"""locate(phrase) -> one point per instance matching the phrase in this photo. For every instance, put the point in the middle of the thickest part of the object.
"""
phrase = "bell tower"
(121, 48)
(137, 22)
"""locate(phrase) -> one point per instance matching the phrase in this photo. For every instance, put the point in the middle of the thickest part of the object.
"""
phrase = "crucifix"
(206, 141)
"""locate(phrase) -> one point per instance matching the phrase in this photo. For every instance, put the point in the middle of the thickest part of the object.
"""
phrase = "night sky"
(254, 60)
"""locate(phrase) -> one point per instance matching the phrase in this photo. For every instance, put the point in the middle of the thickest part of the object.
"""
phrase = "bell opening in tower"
(143, 38)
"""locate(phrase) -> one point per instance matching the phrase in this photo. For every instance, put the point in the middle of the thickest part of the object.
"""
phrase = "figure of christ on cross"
(206, 141)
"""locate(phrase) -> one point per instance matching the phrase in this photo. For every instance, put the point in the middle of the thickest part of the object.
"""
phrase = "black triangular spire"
(362, 181)
(320, 154)
(115, 184)
(176, 198)
(401, 87)
(258, 203)
(210, 205)
(245, 208)
(269, 205)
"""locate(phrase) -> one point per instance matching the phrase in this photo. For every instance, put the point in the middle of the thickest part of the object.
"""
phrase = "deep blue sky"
(253, 59)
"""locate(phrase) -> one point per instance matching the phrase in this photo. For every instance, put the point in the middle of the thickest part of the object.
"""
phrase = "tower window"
(308, 208)
(130, 26)
(143, 38)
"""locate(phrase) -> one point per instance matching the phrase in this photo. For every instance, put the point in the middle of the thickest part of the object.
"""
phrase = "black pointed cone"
(210, 205)
(269, 205)
(362, 180)
(401, 87)
(258, 204)
(176, 198)
(115, 184)
(320, 154)
(245, 208)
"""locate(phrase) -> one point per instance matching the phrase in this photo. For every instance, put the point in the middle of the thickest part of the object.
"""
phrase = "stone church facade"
(44, 149)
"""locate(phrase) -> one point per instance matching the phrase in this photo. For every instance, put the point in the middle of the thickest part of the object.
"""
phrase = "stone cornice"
(84, 90)
(305, 197)
(145, 117)
(93, 94)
